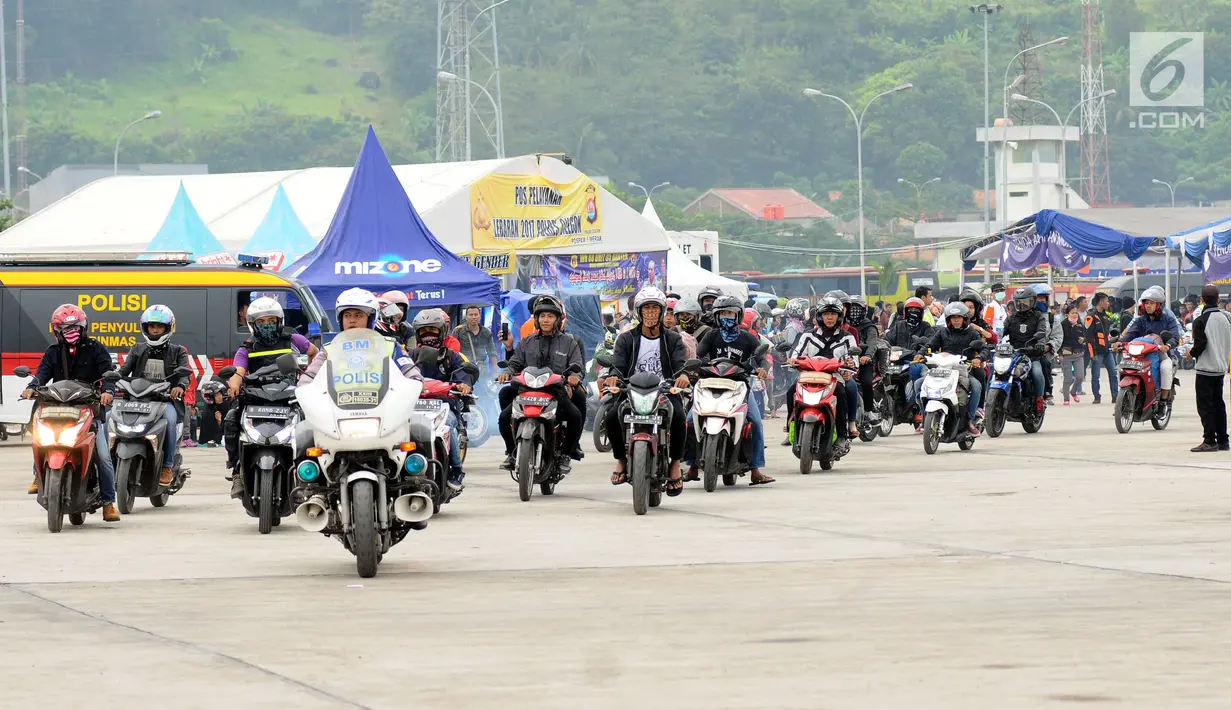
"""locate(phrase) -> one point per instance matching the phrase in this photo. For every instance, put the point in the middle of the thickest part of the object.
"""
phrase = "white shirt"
(995, 314)
(649, 359)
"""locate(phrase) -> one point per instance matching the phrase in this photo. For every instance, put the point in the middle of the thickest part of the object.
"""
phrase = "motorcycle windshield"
(358, 364)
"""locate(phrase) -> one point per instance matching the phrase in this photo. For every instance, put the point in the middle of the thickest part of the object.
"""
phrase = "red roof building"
(768, 203)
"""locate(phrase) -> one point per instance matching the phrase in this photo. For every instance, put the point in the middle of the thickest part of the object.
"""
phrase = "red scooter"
(814, 425)
(64, 462)
(537, 431)
(1139, 398)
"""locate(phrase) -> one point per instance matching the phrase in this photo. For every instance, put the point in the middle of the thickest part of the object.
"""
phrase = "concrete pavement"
(1035, 571)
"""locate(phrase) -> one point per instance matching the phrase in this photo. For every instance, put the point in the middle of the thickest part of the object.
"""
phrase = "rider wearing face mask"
(688, 317)
(429, 326)
(1027, 330)
(873, 351)
(994, 314)
(902, 334)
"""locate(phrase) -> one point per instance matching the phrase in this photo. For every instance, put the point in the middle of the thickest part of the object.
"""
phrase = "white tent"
(123, 213)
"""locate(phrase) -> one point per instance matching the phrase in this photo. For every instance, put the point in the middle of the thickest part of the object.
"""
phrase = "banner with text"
(496, 263)
(531, 212)
(613, 276)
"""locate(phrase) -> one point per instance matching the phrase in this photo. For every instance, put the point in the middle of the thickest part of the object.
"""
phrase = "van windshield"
(359, 368)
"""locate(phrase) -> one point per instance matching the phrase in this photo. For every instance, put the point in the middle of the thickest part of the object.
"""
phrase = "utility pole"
(4, 107)
(986, 9)
(467, 47)
(22, 120)
(1095, 174)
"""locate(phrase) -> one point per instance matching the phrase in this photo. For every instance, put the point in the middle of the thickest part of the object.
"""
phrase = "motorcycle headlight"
(46, 435)
(285, 435)
(68, 436)
(1002, 364)
(130, 428)
(644, 403)
(251, 432)
(359, 428)
(537, 381)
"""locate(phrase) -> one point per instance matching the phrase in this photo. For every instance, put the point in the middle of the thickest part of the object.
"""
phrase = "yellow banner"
(496, 263)
(530, 212)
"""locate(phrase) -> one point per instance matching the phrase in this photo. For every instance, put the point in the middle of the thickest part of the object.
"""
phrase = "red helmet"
(671, 303)
(914, 302)
(750, 318)
(68, 316)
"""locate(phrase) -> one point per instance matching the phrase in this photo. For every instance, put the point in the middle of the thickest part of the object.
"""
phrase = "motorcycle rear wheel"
(77, 519)
(931, 432)
(365, 542)
(640, 476)
(53, 483)
(1033, 423)
(1126, 409)
(265, 501)
(1160, 422)
(887, 415)
(729, 479)
(525, 472)
(123, 477)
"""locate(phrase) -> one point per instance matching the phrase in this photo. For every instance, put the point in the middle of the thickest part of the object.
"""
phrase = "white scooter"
(944, 402)
(361, 478)
(719, 415)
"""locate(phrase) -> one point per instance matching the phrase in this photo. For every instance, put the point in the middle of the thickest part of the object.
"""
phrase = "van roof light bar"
(97, 258)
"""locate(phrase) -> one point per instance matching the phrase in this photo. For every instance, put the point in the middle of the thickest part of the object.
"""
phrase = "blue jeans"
(1107, 361)
(1036, 376)
(976, 397)
(852, 401)
(171, 417)
(455, 442)
(106, 467)
(758, 432)
(916, 372)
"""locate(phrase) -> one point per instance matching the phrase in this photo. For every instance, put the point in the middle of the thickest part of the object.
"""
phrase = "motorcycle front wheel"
(265, 501)
(365, 543)
(53, 483)
(932, 424)
(807, 432)
(124, 474)
(713, 448)
(996, 414)
(887, 416)
(602, 443)
(640, 476)
(525, 472)
(1126, 409)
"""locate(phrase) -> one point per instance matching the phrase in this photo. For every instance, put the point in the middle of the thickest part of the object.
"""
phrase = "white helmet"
(265, 306)
(356, 299)
(157, 313)
(649, 294)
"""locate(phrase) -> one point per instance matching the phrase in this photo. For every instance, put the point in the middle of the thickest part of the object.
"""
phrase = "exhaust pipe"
(313, 514)
(413, 508)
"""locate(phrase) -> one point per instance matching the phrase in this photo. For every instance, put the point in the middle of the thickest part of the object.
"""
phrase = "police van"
(209, 303)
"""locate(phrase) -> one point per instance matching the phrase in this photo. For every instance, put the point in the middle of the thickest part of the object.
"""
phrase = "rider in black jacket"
(873, 351)
(1027, 330)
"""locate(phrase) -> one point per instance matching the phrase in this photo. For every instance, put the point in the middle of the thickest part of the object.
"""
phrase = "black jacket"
(173, 357)
(670, 350)
(1074, 337)
(712, 346)
(88, 364)
(556, 352)
(956, 342)
(902, 335)
(1022, 327)
(870, 340)
(1098, 331)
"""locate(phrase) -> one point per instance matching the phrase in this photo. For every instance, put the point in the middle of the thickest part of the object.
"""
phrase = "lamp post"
(28, 171)
(147, 117)
(1167, 250)
(1004, 156)
(863, 277)
(1064, 174)
(986, 9)
(650, 192)
(446, 77)
(918, 189)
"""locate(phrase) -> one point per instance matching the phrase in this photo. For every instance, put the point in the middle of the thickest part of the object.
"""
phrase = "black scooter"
(139, 440)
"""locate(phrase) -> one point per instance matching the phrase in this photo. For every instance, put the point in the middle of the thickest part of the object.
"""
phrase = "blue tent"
(378, 241)
(184, 230)
(281, 230)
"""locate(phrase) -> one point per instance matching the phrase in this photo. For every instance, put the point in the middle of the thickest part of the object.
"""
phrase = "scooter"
(429, 427)
(814, 426)
(138, 439)
(266, 443)
(63, 427)
(1139, 398)
(895, 382)
(944, 401)
(360, 474)
(720, 420)
(537, 431)
(1010, 392)
(647, 413)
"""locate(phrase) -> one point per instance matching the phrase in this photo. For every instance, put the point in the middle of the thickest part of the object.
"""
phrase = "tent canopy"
(184, 231)
(378, 241)
(687, 278)
(281, 230)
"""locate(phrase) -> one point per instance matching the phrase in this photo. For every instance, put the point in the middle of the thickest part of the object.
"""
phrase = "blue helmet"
(1041, 290)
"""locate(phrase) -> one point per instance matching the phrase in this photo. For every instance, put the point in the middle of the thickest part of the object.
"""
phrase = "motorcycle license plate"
(361, 397)
(642, 419)
(428, 404)
(268, 412)
(138, 407)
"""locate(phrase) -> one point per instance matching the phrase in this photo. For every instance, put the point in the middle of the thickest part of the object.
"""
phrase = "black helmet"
(728, 303)
(971, 295)
(1023, 299)
(708, 292)
(547, 304)
(856, 310)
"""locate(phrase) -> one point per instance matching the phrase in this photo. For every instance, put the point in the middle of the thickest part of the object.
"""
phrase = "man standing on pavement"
(1212, 351)
(1098, 344)
(478, 345)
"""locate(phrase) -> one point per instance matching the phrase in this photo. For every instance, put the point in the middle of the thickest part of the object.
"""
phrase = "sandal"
(674, 486)
(619, 478)
(692, 475)
(763, 480)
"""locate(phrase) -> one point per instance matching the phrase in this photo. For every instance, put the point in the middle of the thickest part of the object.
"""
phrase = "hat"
(997, 287)
(1210, 292)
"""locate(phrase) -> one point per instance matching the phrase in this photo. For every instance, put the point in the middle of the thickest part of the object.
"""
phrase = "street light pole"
(146, 117)
(1167, 250)
(650, 192)
(446, 77)
(1064, 125)
(1004, 145)
(986, 9)
(863, 277)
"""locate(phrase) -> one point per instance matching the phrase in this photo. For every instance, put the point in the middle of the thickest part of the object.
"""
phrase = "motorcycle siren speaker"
(413, 508)
(313, 514)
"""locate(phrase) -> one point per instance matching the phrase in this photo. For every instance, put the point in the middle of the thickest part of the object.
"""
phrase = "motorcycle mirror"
(978, 344)
(761, 350)
(692, 364)
(427, 356)
(470, 369)
(21, 371)
(1115, 332)
(227, 372)
(783, 347)
(502, 364)
(287, 364)
(604, 360)
(1167, 335)
(113, 376)
(575, 369)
